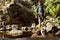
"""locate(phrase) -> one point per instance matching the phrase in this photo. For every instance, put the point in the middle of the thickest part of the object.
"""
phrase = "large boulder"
(20, 15)
(49, 26)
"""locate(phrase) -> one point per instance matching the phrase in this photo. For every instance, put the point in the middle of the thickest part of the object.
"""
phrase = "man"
(40, 11)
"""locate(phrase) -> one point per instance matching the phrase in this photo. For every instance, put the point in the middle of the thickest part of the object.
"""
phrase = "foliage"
(52, 6)
(34, 9)
(58, 19)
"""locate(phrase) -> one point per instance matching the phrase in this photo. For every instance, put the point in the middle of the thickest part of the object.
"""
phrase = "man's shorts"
(40, 18)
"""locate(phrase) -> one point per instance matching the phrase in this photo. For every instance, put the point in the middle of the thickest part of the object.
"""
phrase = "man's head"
(39, 2)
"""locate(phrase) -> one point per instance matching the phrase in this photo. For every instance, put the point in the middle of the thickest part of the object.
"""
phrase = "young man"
(40, 11)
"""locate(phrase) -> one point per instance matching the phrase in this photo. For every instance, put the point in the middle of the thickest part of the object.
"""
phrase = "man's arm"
(44, 11)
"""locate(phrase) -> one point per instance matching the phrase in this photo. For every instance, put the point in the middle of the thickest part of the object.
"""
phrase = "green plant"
(58, 19)
(34, 9)
(52, 6)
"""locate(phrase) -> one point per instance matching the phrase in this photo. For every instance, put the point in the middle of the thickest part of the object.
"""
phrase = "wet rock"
(34, 35)
(8, 27)
(23, 28)
(14, 26)
(33, 25)
(58, 34)
(14, 32)
(49, 26)
(58, 27)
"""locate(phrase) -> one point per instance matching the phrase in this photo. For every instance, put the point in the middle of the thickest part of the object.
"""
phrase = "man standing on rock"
(41, 14)
(40, 11)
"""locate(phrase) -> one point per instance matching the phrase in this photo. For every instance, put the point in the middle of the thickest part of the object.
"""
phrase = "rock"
(15, 32)
(23, 28)
(1, 29)
(49, 26)
(33, 25)
(58, 27)
(8, 27)
(19, 15)
(51, 19)
(58, 33)
(14, 26)
(34, 35)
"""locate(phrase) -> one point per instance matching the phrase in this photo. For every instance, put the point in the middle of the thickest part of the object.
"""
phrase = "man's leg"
(39, 20)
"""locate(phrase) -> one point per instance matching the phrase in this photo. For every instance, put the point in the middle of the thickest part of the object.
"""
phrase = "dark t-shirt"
(40, 9)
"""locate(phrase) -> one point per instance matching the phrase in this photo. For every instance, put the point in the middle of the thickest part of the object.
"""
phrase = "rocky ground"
(19, 15)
